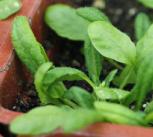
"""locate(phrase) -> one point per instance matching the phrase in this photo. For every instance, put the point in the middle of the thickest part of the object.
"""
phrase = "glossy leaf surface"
(112, 43)
(69, 120)
(65, 22)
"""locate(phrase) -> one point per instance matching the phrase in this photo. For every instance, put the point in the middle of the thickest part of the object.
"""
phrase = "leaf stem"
(69, 103)
(115, 64)
(125, 79)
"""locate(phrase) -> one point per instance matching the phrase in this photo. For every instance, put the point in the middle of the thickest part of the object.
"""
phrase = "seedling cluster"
(74, 108)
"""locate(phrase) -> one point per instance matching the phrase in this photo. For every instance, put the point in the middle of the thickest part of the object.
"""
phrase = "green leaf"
(112, 43)
(149, 107)
(144, 76)
(142, 23)
(9, 7)
(147, 3)
(91, 14)
(110, 78)
(69, 120)
(149, 118)
(44, 98)
(112, 94)
(80, 96)
(62, 74)
(30, 52)
(143, 82)
(93, 61)
(116, 113)
(55, 90)
(127, 76)
(65, 22)
(45, 95)
(145, 46)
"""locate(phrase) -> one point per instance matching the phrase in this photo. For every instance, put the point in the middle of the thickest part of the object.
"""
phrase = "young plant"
(77, 106)
(80, 18)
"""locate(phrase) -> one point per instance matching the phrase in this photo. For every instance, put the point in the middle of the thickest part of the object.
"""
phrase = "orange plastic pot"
(11, 72)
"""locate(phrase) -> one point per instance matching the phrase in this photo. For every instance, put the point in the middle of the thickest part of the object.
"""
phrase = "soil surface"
(69, 53)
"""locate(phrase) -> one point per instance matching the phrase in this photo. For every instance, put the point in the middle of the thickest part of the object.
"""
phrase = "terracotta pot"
(11, 74)
(10, 69)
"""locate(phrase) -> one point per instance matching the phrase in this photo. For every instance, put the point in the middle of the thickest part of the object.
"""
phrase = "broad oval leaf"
(112, 43)
(54, 118)
(9, 7)
(28, 49)
(92, 14)
(65, 22)
(142, 23)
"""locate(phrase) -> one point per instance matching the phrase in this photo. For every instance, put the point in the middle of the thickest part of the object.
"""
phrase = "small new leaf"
(142, 23)
(110, 77)
(127, 76)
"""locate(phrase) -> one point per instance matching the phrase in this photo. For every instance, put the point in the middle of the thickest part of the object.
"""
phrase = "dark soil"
(68, 53)
(28, 99)
(122, 14)
(4, 131)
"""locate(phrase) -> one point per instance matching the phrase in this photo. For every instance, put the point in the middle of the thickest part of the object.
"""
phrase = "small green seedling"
(73, 108)
(142, 23)
(9, 7)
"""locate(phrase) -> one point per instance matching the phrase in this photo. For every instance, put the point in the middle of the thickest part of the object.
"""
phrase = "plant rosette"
(76, 105)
